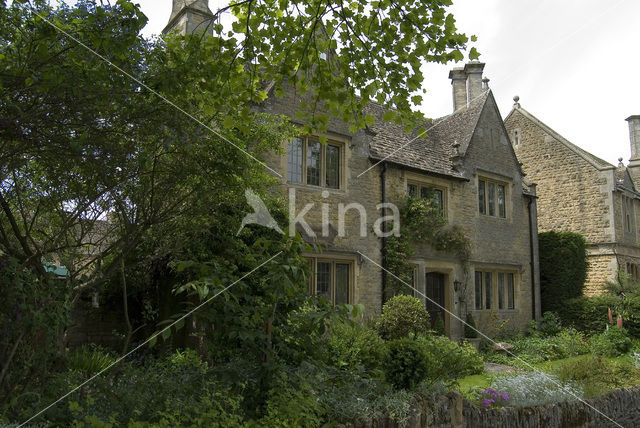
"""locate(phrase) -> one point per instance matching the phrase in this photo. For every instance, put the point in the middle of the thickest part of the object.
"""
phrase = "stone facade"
(499, 245)
(581, 193)
(461, 151)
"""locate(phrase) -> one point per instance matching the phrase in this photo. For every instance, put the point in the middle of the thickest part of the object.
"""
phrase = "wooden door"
(435, 293)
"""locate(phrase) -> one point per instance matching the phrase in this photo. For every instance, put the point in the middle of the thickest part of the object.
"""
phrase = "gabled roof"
(432, 152)
(595, 161)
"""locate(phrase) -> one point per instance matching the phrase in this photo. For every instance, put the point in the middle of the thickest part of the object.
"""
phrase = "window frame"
(341, 146)
(489, 192)
(312, 286)
(490, 297)
(430, 187)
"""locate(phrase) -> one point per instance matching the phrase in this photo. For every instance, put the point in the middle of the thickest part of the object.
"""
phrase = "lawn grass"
(468, 384)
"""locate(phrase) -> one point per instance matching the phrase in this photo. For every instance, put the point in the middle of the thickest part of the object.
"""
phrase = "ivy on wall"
(421, 221)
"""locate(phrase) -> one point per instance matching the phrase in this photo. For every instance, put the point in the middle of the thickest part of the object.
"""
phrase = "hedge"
(563, 268)
(590, 314)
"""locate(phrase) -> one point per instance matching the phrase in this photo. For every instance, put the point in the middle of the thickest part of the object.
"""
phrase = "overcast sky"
(574, 63)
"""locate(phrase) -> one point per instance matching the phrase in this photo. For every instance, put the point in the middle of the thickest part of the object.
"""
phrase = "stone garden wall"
(621, 405)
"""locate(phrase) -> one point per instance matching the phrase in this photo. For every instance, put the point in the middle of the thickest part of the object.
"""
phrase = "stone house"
(580, 192)
(465, 161)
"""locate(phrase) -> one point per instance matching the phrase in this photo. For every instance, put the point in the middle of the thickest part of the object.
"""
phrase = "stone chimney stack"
(474, 79)
(189, 17)
(634, 137)
(459, 83)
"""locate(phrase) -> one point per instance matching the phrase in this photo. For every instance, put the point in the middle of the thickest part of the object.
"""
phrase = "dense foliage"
(612, 342)
(405, 364)
(448, 361)
(589, 314)
(402, 316)
(31, 321)
(121, 162)
(563, 267)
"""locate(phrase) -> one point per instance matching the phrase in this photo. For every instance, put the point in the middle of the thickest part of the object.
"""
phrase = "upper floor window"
(494, 289)
(492, 198)
(313, 163)
(331, 279)
(427, 192)
(516, 137)
(627, 214)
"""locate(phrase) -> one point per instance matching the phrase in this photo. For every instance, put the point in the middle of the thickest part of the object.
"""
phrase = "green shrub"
(405, 364)
(89, 359)
(470, 327)
(568, 343)
(613, 342)
(596, 375)
(448, 360)
(535, 349)
(175, 390)
(563, 267)
(353, 345)
(438, 326)
(549, 324)
(401, 316)
(292, 404)
(589, 314)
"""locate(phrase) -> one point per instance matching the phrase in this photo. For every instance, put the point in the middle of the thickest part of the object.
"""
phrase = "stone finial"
(485, 83)
(620, 164)
(516, 102)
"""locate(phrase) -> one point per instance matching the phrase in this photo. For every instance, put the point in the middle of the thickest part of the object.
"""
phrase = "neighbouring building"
(580, 192)
(466, 162)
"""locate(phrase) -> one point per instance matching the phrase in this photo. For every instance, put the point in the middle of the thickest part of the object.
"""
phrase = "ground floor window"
(331, 279)
(632, 271)
(494, 289)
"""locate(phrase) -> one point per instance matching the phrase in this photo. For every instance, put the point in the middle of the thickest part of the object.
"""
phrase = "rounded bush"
(611, 343)
(353, 345)
(406, 363)
(401, 316)
(448, 360)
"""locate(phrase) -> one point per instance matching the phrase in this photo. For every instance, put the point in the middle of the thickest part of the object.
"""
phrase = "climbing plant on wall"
(421, 221)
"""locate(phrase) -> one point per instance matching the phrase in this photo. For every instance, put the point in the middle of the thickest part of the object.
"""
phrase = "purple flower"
(505, 396)
(486, 403)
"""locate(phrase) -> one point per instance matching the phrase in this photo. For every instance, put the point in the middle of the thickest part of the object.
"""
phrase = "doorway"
(434, 290)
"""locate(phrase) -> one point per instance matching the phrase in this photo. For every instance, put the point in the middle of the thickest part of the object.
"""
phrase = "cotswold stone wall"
(497, 244)
(575, 195)
(620, 405)
(364, 190)
(572, 194)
